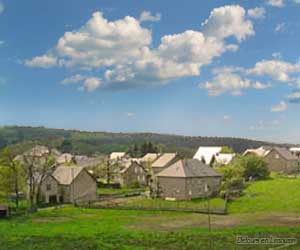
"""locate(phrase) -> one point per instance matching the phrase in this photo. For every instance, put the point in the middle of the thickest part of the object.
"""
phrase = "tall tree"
(38, 162)
(14, 172)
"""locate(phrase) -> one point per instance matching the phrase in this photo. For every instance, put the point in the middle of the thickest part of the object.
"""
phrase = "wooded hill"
(90, 143)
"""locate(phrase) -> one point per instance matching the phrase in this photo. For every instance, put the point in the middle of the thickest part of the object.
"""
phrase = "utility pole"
(207, 191)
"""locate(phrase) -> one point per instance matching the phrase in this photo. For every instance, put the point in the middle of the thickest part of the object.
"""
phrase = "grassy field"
(268, 208)
(274, 195)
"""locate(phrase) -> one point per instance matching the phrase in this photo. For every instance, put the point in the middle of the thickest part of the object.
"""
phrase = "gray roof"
(189, 168)
(285, 153)
(66, 175)
(163, 160)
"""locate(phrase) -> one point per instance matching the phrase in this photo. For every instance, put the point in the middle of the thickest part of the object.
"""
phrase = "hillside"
(82, 142)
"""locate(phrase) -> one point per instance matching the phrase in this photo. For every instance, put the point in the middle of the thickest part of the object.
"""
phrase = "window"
(277, 156)
(136, 170)
(48, 187)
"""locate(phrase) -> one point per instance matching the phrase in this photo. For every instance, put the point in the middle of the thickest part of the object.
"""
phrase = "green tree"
(66, 146)
(226, 150)
(13, 176)
(254, 167)
(37, 162)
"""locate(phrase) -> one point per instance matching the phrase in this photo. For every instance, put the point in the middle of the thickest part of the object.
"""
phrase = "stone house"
(282, 160)
(188, 179)
(69, 184)
(133, 173)
(278, 159)
(164, 161)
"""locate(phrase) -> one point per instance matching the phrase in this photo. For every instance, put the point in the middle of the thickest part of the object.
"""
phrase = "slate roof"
(163, 160)
(285, 153)
(66, 175)
(189, 168)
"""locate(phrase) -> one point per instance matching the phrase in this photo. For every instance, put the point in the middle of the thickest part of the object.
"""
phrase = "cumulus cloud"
(91, 84)
(294, 97)
(228, 80)
(228, 21)
(123, 49)
(257, 13)
(281, 107)
(276, 3)
(88, 84)
(45, 61)
(277, 55)
(147, 16)
(276, 69)
(73, 79)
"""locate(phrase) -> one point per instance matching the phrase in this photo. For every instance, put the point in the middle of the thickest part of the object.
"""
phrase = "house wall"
(202, 187)
(54, 189)
(169, 187)
(83, 188)
(276, 163)
(134, 174)
(187, 188)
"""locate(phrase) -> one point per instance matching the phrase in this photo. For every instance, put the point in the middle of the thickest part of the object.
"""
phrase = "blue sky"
(219, 68)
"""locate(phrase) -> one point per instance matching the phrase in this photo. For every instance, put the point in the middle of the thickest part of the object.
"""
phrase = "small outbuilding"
(188, 179)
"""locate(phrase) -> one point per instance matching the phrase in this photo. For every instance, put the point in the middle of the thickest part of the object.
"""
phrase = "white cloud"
(122, 48)
(88, 84)
(280, 27)
(2, 8)
(276, 3)
(228, 80)
(91, 84)
(276, 69)
(2, 43)
(45, 61)
(228, 21)
(257, 13)
(294, 97)
(277, 55)
(73, 79)
(147, 16)
(297, 1)
(281, 107)
(130, 114)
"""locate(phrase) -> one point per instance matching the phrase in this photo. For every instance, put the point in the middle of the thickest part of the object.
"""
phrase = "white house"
(207, 153)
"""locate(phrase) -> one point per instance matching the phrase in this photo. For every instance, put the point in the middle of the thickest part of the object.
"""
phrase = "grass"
(274, 195)
(75, 228)
(200, 204)
(115, 191)
(268, 208)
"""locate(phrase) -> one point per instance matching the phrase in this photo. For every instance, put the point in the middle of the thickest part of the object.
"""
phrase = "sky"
(200, 68)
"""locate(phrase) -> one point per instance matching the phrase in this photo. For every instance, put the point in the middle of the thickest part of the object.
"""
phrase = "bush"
(254, 167)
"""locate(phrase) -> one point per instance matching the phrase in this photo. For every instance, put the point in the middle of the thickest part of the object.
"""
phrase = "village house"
(116, 156)
(65, 158)
(188, 179)
(164, 161)
(207, 154)
(69, 184)
(278, 159)
(295, 151)
(150, 157)
(133, 173)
